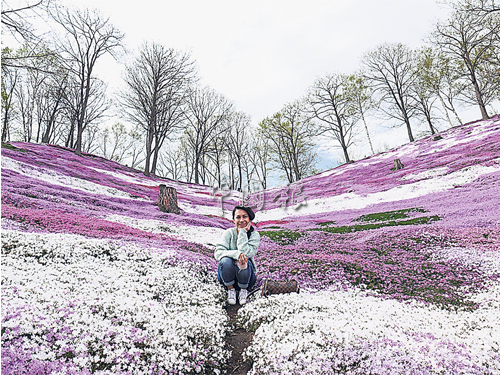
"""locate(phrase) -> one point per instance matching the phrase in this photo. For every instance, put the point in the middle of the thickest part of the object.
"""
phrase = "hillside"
(399, 269)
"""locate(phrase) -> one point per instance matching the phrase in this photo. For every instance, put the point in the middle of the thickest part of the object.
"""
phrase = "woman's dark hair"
(248, 210)
(250, 214)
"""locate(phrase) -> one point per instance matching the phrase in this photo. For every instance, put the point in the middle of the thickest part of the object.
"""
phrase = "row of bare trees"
(58, 97)
(459, 67)
(177, 129)
(52, 95)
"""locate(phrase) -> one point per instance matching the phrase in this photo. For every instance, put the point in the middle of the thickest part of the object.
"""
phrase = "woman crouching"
(235, 254)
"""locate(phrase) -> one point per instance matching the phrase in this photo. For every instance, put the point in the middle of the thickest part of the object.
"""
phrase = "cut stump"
(397, 165)
(167, 200)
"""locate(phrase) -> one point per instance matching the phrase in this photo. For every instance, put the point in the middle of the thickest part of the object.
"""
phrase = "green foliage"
(13, 148)
(373, 221)
(327, 223)
(283, 237)
(392, 223)
(291, 146)
(389, 215)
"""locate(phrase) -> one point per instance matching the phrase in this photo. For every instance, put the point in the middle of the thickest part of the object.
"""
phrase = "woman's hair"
(248, 210)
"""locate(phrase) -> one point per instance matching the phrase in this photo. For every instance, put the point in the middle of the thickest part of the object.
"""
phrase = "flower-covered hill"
(399, 269)
(361, 221)
(96, 279)
(407, 260)
(439, 173)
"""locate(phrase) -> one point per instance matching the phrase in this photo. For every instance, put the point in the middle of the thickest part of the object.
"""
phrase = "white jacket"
(233, 244)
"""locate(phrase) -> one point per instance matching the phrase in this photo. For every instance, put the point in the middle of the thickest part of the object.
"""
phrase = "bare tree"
(96, 105)
(238, 145)
(472, 39)
(291, 140)
(51, 106)
(10, 80)
(424, 93)
(136, 149)
(362, 96)
(207, 118)
(15, 21)
(216, 153)
(437, 73)
(259, 157)
(89, 138)
(170, 164)
(391, 73)
(89, 36)
(188, 157)
(156, 92)
(480, 7)
(116, 142)
(38, 97)
(26, 94)
(333, 104)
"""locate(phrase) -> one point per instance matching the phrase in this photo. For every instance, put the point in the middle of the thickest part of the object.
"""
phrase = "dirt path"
(237, 342)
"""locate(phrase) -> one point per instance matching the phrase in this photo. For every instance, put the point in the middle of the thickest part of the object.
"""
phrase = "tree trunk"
(480, 101)
(149, 141)
(408, 127)
(444, 107)
(367, 133)
(167, 200)
(429, 121)
(397, 165)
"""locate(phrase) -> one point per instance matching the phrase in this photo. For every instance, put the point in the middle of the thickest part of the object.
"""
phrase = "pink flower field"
(399, 269)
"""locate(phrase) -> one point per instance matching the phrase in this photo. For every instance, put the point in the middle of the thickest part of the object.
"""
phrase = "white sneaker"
(231, 296)
(243, 296)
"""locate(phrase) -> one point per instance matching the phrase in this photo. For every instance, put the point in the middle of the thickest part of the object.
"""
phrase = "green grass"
(283, 237)
(367, 222)
(11, 147)
(392, 223)
(390, 215)
(327, 223)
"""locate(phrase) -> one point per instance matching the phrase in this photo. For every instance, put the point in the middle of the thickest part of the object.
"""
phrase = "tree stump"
(167, 200)
(397, 165)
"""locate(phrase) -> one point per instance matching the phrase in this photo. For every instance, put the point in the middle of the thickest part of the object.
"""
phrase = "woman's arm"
(248, 246)
(222, 249)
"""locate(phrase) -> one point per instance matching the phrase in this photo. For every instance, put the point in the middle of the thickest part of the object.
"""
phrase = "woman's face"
(241, 218)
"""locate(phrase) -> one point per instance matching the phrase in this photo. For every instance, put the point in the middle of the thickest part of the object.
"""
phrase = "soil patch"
(237, 341)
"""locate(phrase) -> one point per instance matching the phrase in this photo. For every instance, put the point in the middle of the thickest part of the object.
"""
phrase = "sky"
(264, 54)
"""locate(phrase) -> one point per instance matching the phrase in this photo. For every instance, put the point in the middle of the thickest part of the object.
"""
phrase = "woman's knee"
(226, 261)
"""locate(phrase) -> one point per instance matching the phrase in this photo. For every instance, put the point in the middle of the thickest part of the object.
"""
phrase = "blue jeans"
(229, 273)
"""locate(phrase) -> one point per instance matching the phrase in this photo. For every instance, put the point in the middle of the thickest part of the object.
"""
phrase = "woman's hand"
(242, 259)
(247, 228)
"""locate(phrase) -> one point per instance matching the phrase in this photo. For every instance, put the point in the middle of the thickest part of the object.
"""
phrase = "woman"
(235, 254)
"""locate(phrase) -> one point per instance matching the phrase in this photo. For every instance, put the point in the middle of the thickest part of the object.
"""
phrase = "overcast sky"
(264, 54)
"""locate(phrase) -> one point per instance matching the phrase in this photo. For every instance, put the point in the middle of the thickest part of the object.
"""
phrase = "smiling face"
(241, 218)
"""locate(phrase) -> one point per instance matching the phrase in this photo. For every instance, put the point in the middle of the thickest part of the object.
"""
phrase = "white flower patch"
(354, 201)
(54, 178)
(478, 131)
(126, 178)
(201, 209)
(109, 306)
(487, 262)
(207, 236)
(431, 173)
(147, 181)
(351, 332)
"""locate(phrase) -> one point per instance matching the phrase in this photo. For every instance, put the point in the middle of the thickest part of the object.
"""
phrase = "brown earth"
(237, 341)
